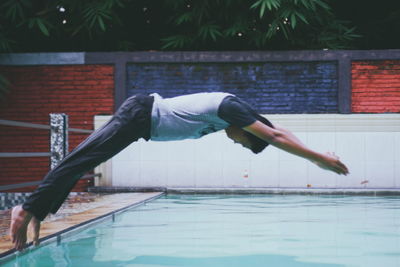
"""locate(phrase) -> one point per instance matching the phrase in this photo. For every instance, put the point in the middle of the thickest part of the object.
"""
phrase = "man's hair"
(257, 144)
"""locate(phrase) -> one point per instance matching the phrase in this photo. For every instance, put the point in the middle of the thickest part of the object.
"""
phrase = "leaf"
(234, 29)
(88, 12)
(105, 14)
(276, 3)
(260, 3)
(293, 20)
(92, 21)
(209, 30)
(42, 27)
(108, 4)
(77, 29)
(96, 15)
(284, 30)
(322, 4)
(101, 23)
(31, 22)
(256, 4)
(271, 30)
(175, 41)
(5, 43)
(185, 17)
(14, 10)
(268, 4)
(11, 13)
(303, 2)
(263, 4)
(302, 17)
(125, 46)
(312, 5)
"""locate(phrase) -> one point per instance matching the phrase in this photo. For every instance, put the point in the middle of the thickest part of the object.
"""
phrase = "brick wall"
(376, 86)
(292, 87)
(81, 91)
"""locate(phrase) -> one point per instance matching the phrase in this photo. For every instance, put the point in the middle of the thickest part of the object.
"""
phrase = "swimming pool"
(237, 230)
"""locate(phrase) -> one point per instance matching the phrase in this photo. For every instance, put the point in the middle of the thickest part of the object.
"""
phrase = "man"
(158, 119)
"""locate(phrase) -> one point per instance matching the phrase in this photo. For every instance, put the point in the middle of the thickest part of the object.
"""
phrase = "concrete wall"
(368, 144)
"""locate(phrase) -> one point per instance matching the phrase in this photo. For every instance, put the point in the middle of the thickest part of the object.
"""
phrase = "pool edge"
(58, 236)
(252, 190)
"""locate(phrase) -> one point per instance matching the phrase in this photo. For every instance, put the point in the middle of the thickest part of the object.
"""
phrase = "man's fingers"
(18, 227)
(343, 167)
(35, 229)
(340, 168)
(36, 235)
(20, 244)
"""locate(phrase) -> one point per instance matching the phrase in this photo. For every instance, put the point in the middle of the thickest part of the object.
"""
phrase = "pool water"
(230, 230)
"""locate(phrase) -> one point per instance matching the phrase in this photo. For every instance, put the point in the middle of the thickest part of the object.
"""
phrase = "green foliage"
(177, 41)
(126, 25)
(209, 31)
(98, 25)
(269, 4)
(28, 23)
(39, 23)
(49, 19)
(5, 43)
(258, 24)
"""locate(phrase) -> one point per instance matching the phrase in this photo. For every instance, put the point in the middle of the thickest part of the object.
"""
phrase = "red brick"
(80, 91)
(376, 86)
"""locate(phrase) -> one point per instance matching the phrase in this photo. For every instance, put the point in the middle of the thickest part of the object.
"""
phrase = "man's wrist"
(316, 157)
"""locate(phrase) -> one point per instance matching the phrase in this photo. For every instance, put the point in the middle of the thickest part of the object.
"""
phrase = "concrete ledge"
(42, 58)
(125, 189)
(389, 122)
(287, 191)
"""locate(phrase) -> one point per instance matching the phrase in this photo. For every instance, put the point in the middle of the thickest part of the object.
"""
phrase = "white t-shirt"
(186, 117)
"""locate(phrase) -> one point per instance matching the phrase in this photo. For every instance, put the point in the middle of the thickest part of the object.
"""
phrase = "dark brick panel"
(292, 87)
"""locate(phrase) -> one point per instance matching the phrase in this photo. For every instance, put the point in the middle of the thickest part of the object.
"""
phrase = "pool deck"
(77, 214)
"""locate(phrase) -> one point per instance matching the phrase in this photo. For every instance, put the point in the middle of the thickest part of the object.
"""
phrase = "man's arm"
(285, 140)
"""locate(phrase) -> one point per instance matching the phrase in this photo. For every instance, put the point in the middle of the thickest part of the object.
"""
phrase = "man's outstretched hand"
(331, 162)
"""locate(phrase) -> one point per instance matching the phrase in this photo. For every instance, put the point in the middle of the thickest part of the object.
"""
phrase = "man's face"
(238, 136)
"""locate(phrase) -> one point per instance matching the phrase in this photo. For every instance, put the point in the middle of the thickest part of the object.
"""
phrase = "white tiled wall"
(368, 144)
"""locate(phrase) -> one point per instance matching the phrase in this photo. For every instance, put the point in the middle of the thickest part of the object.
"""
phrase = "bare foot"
(19, 222)
(34, 227)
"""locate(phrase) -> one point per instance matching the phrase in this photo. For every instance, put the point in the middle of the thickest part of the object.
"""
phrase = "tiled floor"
(75, 210)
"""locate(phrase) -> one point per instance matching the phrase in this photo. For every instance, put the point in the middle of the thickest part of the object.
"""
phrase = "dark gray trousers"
(131, 122)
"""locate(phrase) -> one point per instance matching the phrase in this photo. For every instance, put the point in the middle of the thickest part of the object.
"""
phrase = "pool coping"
(67, 232)
(252, 190)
